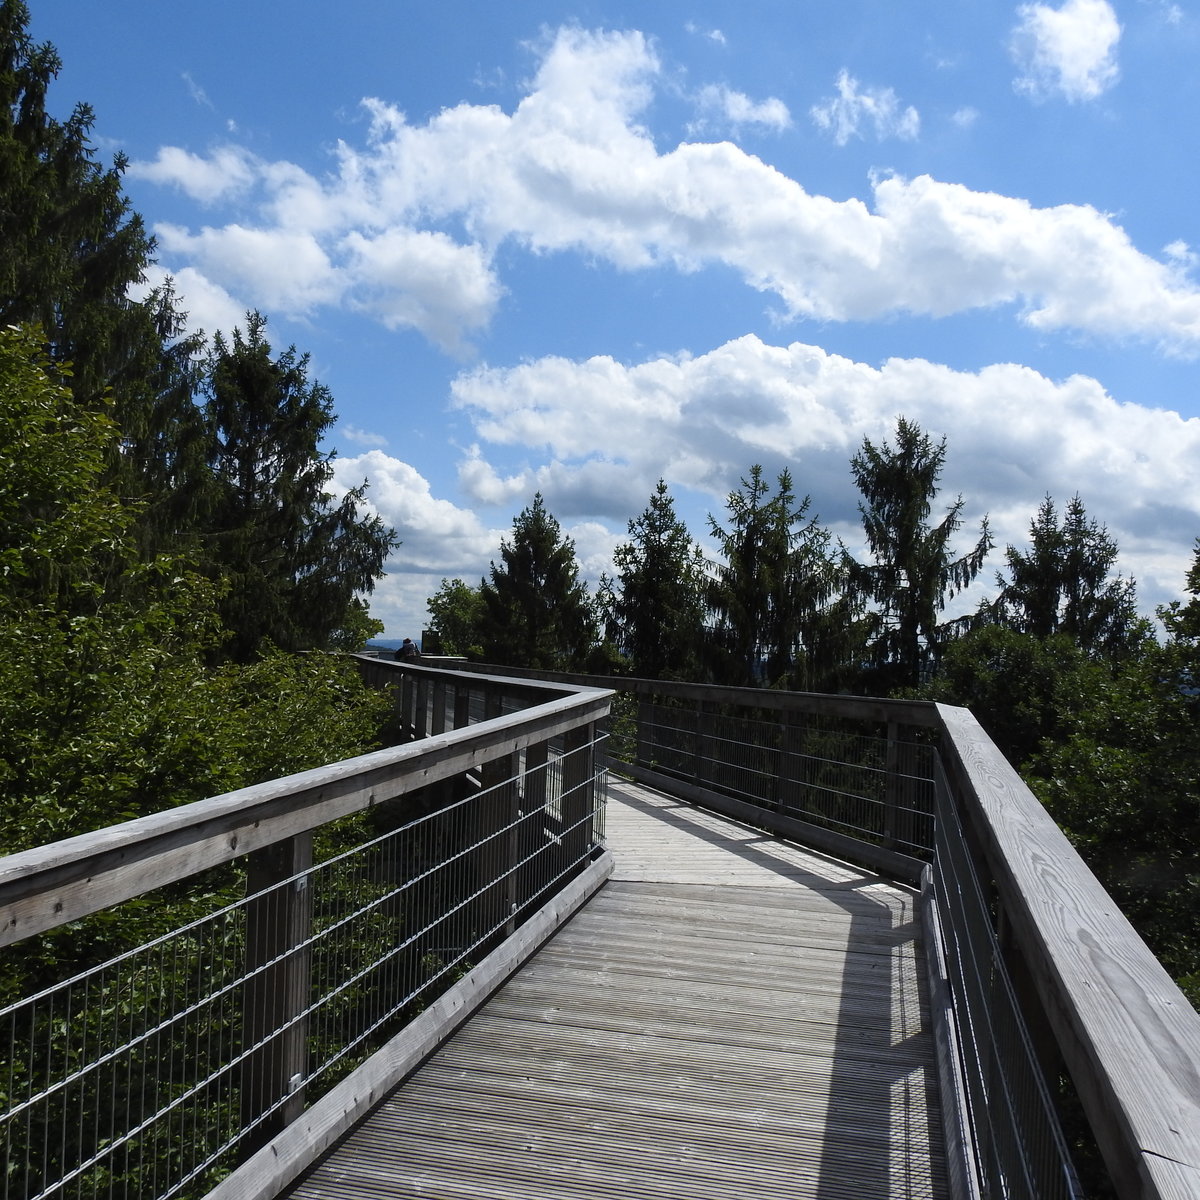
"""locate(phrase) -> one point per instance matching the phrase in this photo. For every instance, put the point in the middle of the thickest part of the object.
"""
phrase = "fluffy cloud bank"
(407, 226)
(701, 422)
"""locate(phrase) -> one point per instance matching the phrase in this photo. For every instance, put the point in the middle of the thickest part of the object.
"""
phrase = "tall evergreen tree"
(106, 710)
(536, 610)
(1064, 584)
(658, 601)
(71, 249)
(293, 562)
(914, 571)
(69, 245)
(772, 585)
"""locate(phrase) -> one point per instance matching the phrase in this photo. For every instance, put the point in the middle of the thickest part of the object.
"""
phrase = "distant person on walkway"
(408, 651)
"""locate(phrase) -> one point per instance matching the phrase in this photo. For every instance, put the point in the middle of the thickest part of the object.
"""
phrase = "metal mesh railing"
(152, 1072)
(868, 785)
(1015, 1137)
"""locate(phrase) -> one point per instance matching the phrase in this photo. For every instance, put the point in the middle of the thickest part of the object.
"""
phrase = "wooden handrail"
(1129, 1037)
(49, 886)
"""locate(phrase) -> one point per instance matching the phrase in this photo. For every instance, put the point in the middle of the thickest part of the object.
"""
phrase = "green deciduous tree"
(1109, 745)
(536, 611)
(1064, 583)
(1122, 777)
(455, 611)
(914, 571)
(1020, 687)
(658, 596)
(292, 561)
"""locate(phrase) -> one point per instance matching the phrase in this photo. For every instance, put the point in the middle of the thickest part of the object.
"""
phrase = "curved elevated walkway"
(730, 1016)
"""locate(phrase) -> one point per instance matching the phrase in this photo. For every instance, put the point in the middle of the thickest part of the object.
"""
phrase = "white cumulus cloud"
(435, 534)
(1069, 51)
(408, 225)
(227, 171)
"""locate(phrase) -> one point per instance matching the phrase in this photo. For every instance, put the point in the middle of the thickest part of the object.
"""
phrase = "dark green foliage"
(771, 590)
(69, 246)
(1109, 745)
(1019, 687)
(1122, 777)
(914, 571)
(70, 250)
(106, 711)
(291, 561)
(657, 603)
(1063, 584)
(536, 611)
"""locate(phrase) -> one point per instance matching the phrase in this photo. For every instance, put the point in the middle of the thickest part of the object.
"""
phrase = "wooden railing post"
(421, 707)
(578, 791)
(276, 993)
(700, 762)
(892, 788)
(532, 828)
(640, 755)
(495, 811)
(437, 723)
(408, 706)
(789, 776)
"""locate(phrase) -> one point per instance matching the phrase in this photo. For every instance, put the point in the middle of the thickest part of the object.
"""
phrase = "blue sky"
(572, 249)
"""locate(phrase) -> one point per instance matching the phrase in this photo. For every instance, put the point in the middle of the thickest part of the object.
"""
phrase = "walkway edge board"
(286, 1157)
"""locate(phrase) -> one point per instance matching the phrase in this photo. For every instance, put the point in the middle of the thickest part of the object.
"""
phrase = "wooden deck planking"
(729, 1016)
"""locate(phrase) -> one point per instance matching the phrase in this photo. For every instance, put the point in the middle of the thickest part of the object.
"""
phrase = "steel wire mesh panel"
(1018, 1144)
(827, 771)
(150, 1073)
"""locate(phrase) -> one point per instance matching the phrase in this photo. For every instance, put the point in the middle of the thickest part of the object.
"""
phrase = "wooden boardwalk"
(730, 1016)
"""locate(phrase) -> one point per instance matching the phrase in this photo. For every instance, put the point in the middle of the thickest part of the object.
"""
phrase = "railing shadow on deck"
(862, 1139)
(1033, 969)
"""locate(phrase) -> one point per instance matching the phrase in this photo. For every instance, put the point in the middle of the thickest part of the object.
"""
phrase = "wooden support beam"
(278, 985)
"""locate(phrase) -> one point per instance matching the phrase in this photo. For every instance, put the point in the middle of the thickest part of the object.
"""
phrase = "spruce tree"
(772, 585)
(658, 600)
(1064, 584)
(536, 610)
(292, 561)
(71, 249)
(914, 571)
